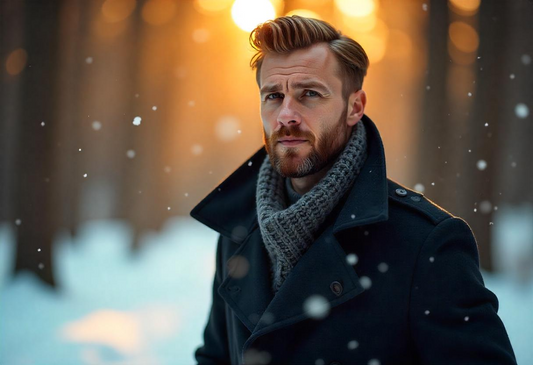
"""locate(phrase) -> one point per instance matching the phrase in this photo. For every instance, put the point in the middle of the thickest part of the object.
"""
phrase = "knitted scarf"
(289, 231)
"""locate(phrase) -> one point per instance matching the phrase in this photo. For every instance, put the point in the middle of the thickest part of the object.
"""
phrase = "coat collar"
(230, 210)
(367, 200)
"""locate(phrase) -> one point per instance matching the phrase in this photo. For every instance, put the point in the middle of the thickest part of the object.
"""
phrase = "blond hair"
(289, 33)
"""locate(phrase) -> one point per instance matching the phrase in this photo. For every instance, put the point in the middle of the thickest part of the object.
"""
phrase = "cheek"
(268, 120)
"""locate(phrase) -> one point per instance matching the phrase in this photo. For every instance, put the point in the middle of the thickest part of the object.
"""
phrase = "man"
(321, 259)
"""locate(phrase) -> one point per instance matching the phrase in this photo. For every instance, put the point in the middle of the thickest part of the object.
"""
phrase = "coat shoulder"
(410, 199)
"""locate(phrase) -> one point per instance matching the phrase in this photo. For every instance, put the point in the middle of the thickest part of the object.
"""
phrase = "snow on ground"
(117, 308)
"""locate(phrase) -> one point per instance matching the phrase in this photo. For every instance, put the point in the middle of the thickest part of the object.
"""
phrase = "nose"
(288, 114)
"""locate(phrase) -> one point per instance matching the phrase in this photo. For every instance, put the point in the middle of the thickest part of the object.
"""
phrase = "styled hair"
(289, 33)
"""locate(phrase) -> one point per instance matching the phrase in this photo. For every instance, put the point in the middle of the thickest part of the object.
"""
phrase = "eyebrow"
(297, 85)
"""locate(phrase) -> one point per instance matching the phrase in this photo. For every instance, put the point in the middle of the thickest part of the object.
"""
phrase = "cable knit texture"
(289, 231)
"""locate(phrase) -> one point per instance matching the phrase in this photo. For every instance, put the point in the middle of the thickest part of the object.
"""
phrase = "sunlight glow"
(117, 10)
(464, 7)
(248, 14)
(16, 61)
(358, 8)
(304, 12)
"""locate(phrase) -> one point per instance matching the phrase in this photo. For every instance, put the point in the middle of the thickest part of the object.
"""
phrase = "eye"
(273, 96)
(311, 93)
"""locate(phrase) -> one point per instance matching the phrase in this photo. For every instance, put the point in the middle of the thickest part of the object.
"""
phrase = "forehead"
(315, 62)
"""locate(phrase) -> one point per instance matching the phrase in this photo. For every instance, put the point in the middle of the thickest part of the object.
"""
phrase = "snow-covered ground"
(150, 308)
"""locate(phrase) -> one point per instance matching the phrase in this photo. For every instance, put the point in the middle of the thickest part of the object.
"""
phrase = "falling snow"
(201, 35)
(481, 165)
(469, 94)
(18, 222)
(41, 266)
(485, 207)
(130, 153)
(352, 345)
(427, 312)
(316, 306)
(419, 187)
(425, 7)
(97, 125)
(521, 110)
(154, 108)
(137, 121)
(186, 194)
(191, 103)
(486, 124)
(319, 362)
(84, 175)
(467, 319)
(42, 124)
(374, 362)
(89, 60)
(38, 250)
(511, 76)
(352, 259)
(168, 208)
(197, 149)
(167, 169)
(526, 59)
(250, 163)
(226, 128)
(365, 282)
(431, 259)
(383, 267)
(352, 216)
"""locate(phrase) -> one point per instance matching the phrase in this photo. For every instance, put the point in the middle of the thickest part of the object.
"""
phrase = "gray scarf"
(289, 231)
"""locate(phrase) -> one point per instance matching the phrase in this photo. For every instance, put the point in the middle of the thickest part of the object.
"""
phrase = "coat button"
(415, 198)
(336, 288)
(401, 192)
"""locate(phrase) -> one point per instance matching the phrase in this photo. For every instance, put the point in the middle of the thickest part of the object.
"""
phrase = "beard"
(324, 149)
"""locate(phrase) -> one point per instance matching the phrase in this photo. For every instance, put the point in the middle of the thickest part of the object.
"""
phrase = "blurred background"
(117, 117)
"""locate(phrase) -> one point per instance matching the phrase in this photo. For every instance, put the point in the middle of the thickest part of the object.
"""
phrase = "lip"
(291, 142)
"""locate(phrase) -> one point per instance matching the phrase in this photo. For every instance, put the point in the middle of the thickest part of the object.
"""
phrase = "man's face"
(304, 115)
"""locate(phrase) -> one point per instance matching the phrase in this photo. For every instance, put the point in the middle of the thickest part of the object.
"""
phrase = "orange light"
(374, 42)
(158, 12)
(16, 61)
(464, 37)
(107, 30)
(304, 12)
(399, 45)
(118, 330)
(201, 35)
(357, 8)
(208, 7)
(360, 23)
(117, 10)
(464, 7)
(248, 14)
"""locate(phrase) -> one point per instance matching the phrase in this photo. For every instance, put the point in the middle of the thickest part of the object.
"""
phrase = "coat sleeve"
(453, 317)
(215, 347)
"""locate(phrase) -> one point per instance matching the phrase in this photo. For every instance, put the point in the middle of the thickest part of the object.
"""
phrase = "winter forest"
(118, 116)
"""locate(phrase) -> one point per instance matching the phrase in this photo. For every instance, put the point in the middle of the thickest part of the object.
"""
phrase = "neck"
(303, 184)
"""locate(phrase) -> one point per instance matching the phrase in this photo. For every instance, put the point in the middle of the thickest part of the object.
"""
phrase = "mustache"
(295, 132)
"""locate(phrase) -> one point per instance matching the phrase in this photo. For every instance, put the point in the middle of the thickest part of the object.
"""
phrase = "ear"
(356, 107)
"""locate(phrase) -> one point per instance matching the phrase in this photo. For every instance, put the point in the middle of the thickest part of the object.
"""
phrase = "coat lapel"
(247, 289)
(308, 287)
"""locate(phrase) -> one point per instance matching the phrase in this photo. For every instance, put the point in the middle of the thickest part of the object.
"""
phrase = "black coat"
(414, 296)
